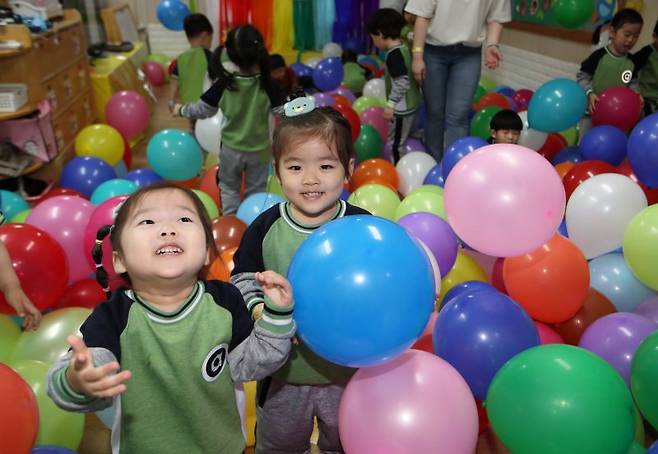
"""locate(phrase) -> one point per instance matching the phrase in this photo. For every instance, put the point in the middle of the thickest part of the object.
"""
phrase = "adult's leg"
(462, 81)
(437, 64)
(229, 178)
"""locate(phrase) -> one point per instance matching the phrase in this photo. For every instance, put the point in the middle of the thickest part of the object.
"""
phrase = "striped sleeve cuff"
(390, 103)
(276, 319)
(253, 302)
(67, 393)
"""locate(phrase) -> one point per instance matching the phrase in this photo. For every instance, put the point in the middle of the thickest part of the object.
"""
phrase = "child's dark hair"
(276, 61)
(506, 119)
(246, 48)
(386, 21)
(596, 34)
(349, 56)
(625, 16)
(126, 209)
(195, 24)
(324, 123)
(655, 29)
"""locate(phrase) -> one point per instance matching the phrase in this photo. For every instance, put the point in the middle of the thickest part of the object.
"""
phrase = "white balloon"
(375, 88)
(313, 62)
(531, 138)
(208, 132)
(435, 266)
(332, 50)
(412, 170)
(599, 211)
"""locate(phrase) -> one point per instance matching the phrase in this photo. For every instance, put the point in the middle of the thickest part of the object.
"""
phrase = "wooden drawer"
(58, 50)
(73, 119)
(66, 85)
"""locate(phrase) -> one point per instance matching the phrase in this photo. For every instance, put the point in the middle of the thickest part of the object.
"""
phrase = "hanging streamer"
(303, 20)
(262, 20)
(192, 6)
(233, 13)
(324, 12)
(282, 29)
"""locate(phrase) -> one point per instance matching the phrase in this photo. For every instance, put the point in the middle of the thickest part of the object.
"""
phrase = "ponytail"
(97, 255)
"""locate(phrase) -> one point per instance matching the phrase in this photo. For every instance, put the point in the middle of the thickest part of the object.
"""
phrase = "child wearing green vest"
(384, 27)
(646, 64)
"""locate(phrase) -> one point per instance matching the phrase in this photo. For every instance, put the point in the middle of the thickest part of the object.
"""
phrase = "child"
(506, 127)
(10, 287)
(646, 64)
(313, 159)
(282, 74)
(384, 27)
(612, 66)
(182, 342)
(191, 68)
(246, 100)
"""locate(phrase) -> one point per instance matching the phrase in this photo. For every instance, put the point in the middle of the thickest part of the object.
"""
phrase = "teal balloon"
(112, 188)
(557, 105)
(174, 155)
(11, 203)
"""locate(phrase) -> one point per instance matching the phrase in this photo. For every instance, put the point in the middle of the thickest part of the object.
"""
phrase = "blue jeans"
(452, 74)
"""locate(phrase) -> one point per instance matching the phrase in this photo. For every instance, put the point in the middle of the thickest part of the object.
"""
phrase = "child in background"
(313, 159)
(282, 74)
(506, 127)
(246, 99)
(646, 64)
(384, 27)
(612, 65)
(181, 342)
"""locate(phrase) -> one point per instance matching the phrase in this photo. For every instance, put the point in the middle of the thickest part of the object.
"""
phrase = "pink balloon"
(374, 116)
(547, 335)
(65, 218)
(416, 403)
(504, 200)
(154, 72)
(128, 113)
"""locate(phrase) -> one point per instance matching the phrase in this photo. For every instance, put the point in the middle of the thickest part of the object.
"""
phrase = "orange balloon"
(218, 271)
(563, 168)
(492, 99)
(208, 184)
(596, 306)
(227, 232)
(227, 258)
(551, 282)
(192, 183)
(371, 170)
(342, 100)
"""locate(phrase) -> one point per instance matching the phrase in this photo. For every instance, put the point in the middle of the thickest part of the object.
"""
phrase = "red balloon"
(54, 192)
(583, 171)
(492, 99)
(208, 184)
(352, 118)
(171, 67)
(19, 414)
(554, 143)
(596, 306)
(497, 275)
(39, 262)
(83, 293)
(341, 100)
(617, 106)
(424, 343)
(483, 419)
(227, 232)
(522, 98)
(652, 193)
(127, 154)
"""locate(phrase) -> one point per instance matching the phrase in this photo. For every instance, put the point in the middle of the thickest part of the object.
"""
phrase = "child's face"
(163, 239)
(378, 41)
(312, 179)
(505, 135)
(624, 38)
(278, 73)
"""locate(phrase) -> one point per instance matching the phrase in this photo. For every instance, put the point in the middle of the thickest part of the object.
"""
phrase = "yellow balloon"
(100, 141)
(274, 187)
(464, 269)
(9, 334)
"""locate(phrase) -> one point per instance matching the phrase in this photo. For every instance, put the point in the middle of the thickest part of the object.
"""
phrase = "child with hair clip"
(246, 100)
(179, 343)
(313, 159)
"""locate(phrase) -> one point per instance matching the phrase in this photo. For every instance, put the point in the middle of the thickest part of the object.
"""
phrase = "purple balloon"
(648, 309)
(436, 234)
(344, 92)
(616, 337)
(324, 100)
(412, 144)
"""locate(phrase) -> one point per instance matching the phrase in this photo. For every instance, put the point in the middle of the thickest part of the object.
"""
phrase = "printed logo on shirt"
(626, 76)
(214, 363)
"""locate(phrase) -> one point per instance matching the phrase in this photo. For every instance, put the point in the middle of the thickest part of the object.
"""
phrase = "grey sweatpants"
(232, 164)
(284, 423)
(398, 132)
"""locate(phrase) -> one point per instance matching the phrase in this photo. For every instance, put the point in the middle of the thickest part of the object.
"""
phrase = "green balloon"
(56, 426)
(354, 77)
(429, 188)
(49, 342)
(558, 399)
(488, 83)
(159, 58)
(644, 378)
(274, 187)
(636, 448)
(426, 201)
(573, 13)
(641, 246)
(376, 198)
(20, 217)
(208, 203)
(363, 102)
(9, 334)
(639, 426)
(481, 122)
(570, 135)
(369, 144)
(480, 91)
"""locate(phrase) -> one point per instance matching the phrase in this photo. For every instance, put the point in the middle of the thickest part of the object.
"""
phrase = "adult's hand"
(418, 68)
(492, 57)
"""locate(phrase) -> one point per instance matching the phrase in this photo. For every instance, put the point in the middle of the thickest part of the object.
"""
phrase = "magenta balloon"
(522, 98)
(648, 309)
(504, 200)
(154, 72)
(128, 113)
(374, 116)
(618, 106)
(547, 335)
(436, 234)
(65, 218)
(416, 403)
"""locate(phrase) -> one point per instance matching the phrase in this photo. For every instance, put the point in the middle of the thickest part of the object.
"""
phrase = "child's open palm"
(276, 287)
(92, 381)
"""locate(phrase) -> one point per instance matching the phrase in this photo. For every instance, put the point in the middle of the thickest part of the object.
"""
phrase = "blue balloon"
(255, 204)
(363, 289)
(466, 287)
(653, 449)
(435, 176)
(604, 143)
(143, 177)
(85, 173)
(557, 105)
(562, 229)
(505, 90)
(478, 332)
(328, 74)
(120, 168)
(11, 203)
(610, 275)
(643, 150)
(459, 149)
(174, 155)
(51, 450)
(567, 154)
(112, 188)
(171, 14)
(345, 194)
(302, 70)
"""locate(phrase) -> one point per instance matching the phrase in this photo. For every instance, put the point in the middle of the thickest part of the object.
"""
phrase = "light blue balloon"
(557, 105)
(112, 188)
(121, 169)
(363, 290)
(171, 14)
(107, 416)
(255, 204)
(610, 275)
(11, 203)
(174, 155)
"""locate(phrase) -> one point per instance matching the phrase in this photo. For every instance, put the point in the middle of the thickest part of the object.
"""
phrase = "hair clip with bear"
(299, 106)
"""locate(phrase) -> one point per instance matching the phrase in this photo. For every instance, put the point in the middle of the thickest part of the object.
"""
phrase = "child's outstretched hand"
(276, 287)
(592, 99)
(85, 378)
(17, 299)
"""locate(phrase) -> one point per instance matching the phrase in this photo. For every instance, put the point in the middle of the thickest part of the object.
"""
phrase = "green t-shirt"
(191, 70)
(608, 70)
(647, 65)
